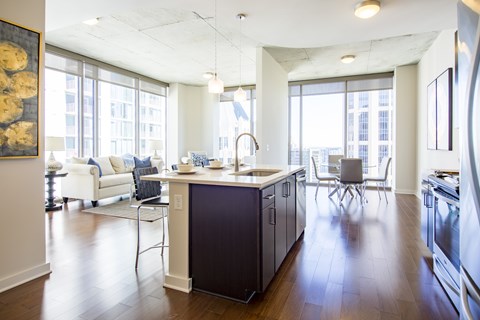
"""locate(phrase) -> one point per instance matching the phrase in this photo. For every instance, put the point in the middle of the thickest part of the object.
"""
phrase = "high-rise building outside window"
(360, 118)
(235, 118)
(102, 110)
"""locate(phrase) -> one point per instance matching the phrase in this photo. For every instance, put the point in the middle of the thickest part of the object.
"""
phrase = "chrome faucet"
(236, 147)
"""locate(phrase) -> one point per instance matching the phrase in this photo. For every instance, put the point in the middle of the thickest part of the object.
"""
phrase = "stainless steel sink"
(256, 172)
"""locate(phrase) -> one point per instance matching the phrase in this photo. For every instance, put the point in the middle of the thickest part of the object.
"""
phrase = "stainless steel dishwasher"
(301, 219)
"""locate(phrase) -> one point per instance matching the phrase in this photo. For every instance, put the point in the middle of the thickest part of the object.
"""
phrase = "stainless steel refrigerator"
(469, 111)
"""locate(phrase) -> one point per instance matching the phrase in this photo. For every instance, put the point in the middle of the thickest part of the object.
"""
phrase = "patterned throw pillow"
(199, 160)
(129, 163)
(145, 163)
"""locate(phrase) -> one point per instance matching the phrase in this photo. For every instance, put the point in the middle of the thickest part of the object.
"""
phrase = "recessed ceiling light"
(91, 22)
(348, 58)
(367, 9)
(208, 75)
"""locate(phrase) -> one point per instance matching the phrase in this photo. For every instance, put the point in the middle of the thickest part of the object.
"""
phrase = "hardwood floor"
(354, 262)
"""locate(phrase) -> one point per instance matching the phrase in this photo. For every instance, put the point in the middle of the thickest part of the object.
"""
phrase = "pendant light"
(240, 95)
(215, 85)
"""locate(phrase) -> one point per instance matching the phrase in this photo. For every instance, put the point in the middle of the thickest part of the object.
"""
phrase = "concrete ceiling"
(173, 41)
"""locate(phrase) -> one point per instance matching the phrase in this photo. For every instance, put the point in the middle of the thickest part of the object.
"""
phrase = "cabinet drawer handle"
(270, 196)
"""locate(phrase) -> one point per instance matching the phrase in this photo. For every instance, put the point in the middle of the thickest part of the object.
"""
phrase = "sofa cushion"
(105, 165)
(95, 163)
(78, 160)
(118, 164)
(115, 180)
(144, 163)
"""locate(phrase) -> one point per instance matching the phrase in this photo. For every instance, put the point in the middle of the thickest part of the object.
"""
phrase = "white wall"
(22, 215)
(272, 110)
(438, 58)
(404, 155)
(192, 121)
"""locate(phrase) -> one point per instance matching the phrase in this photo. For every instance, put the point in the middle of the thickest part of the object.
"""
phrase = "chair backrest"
(315, 167)
(146, 189)
(384, 165)
(351, 170)
(334, 159)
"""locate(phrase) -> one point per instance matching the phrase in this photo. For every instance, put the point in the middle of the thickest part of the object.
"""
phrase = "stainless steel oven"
(446, 242)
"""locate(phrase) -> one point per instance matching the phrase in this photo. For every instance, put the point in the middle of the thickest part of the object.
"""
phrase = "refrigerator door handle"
(466, 290)
(471, 123)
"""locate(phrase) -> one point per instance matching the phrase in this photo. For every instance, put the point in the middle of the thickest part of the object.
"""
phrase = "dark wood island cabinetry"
(239, 236)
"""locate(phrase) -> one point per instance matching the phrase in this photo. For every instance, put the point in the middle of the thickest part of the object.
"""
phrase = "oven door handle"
(445, 199)
(447, 279)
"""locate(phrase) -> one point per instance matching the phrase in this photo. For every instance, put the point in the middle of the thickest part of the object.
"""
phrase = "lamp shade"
(156, 145)
(54, 143)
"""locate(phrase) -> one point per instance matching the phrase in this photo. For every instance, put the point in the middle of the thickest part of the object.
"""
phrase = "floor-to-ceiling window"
(351, 116)
(102, 110)
(235, 118)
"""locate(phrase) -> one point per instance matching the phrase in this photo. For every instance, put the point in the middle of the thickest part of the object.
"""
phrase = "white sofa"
(85, 182)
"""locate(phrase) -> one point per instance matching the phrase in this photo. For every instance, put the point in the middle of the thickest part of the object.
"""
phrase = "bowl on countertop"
(216, 163)
(185, 167)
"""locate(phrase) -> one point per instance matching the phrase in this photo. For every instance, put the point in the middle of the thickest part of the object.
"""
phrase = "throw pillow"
(95, 163)
(129, 163)
(118, 164)
(145, 163)
(105, 164)
(199, 160)
(78, 160)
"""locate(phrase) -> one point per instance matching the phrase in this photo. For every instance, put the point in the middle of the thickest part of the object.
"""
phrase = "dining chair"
(351, 177)
(149, 195)
(381, 178)
(324, 177)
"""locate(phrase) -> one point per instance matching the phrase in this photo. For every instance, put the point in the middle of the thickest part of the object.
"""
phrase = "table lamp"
(156, 145)
(54, 144)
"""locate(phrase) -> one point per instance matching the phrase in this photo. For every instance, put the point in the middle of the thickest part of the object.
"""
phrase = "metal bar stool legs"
(159, 245)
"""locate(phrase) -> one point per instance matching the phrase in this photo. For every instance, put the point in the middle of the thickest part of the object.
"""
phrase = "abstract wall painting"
(19, 91)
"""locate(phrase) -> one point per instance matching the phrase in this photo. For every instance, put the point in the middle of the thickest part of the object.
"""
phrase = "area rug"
(122, 209)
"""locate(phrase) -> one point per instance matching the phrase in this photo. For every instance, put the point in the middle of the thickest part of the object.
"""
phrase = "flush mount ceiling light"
(240, 95)
(367, 9)
(208, 75)
(215, 85)
(348, 58)
(91, 22)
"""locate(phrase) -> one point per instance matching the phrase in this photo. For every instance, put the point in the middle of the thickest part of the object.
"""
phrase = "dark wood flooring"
(354, 262)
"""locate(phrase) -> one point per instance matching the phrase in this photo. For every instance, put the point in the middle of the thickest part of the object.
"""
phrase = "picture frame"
(444, 110)
(19, 91)
(439, 112)
(432, 115)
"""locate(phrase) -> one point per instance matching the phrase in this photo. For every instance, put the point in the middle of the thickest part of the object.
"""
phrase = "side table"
(50, 176)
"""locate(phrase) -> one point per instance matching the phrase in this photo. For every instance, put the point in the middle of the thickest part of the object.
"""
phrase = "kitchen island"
(229, 232)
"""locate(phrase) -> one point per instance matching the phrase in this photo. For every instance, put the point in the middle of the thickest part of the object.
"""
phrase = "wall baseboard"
(405, 191)
(24, 276)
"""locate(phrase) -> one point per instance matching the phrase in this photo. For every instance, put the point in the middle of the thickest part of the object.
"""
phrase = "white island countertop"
(226, 177)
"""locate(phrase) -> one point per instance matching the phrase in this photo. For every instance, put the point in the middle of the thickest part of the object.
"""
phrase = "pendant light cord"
(215, 13)
(240, 49)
